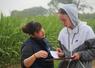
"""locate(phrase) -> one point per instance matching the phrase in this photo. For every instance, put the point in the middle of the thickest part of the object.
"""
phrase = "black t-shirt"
(32, 46)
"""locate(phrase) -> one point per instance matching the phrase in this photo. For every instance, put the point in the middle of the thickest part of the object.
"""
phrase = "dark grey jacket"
(87, 53)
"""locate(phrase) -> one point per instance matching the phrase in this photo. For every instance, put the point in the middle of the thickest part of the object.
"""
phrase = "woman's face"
(40, 34)
(65, 20)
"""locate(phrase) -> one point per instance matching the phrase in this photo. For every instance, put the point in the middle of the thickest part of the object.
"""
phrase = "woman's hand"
(41, 54)
(30, 60)
(76, 56)
(60, 52)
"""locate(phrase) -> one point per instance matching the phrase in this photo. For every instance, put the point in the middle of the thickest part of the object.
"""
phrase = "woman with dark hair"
(36, 49)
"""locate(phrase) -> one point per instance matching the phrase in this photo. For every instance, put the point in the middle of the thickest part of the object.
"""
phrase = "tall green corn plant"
(10, 40)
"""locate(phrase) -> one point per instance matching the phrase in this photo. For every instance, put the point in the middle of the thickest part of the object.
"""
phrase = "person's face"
(65, 20)
(40, 34)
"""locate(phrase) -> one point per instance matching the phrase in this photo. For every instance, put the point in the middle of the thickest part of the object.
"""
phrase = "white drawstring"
(69, 63)
(82, 64)
(79, 62)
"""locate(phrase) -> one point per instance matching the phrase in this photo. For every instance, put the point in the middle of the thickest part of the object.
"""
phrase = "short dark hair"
(62, 11)
(31, 27)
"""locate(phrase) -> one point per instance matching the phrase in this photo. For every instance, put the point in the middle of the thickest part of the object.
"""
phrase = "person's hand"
(75, 56)
(60, 52)
(41, 54)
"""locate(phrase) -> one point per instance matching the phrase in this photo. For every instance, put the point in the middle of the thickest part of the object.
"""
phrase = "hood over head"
(72, 11)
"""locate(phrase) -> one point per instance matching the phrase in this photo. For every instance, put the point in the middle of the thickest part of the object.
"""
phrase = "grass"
(11, 36)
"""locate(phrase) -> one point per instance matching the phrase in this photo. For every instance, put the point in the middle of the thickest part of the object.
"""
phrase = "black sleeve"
(89, 53)
(60, 45)
(48, 44)
(26, 52)
(65, 51)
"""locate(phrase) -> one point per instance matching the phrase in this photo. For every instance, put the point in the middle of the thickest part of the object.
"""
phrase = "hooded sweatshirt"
(78, 39)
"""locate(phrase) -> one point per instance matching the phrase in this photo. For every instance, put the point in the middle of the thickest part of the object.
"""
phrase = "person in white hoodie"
(77, 40)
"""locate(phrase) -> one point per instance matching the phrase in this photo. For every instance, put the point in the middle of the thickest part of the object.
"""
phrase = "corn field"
(11, 36)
